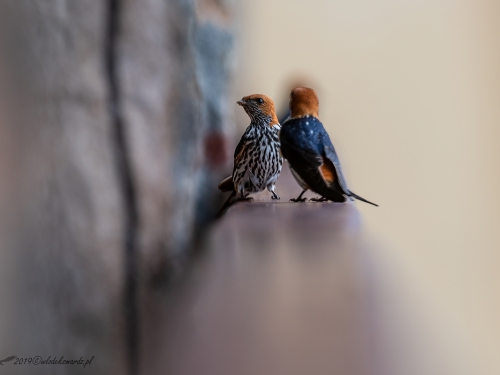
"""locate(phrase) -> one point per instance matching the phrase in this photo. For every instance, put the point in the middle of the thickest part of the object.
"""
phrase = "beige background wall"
(410, 93)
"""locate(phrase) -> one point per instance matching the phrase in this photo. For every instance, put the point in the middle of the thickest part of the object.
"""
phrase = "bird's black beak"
(241, 102)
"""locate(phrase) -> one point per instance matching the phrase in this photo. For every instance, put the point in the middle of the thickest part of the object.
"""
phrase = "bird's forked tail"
(361, 199)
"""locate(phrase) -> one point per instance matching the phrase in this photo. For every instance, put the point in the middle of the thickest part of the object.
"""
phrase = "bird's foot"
(321, 199)
(245, 199)
(275, 196)
(298, 199)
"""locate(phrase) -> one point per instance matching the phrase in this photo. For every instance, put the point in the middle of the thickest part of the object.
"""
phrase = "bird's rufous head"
(303, 102)
(260, 109)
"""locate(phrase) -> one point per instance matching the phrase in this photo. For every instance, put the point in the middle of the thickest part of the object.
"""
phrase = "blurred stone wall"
(116, 121)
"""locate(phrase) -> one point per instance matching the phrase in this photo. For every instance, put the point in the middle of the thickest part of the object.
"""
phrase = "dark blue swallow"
(310, 152)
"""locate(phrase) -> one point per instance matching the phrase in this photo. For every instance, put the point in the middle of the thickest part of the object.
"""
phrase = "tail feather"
(228, 203)
(351, 194)
(226, 184)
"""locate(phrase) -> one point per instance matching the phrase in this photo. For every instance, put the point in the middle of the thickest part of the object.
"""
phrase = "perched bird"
(257, 158)
(310, 152)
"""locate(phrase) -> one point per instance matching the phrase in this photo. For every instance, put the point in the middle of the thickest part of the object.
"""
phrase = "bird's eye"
(260, 101)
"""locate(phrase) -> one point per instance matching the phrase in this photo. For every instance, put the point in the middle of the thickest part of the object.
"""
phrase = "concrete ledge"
(278, 289)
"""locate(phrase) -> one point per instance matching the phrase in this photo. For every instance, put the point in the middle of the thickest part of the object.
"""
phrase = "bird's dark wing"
(334, 166)
(333, 161)
(227, 184)
(244, 142)
(309, 165)
(244, 139)
(303, 158)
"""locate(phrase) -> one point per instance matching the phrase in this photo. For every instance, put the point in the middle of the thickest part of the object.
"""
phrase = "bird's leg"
(270, 188)
(299, 198)
(321, 199)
